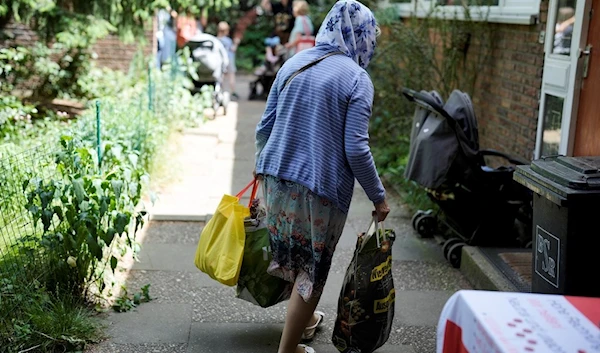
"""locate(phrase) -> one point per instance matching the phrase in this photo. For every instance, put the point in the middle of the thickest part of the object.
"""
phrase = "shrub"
(428, 53)
(251, 51)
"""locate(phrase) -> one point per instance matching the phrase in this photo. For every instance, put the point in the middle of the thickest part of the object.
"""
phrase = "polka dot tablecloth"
(506, 322)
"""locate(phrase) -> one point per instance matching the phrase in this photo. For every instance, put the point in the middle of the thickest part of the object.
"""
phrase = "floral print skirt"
(304, 229)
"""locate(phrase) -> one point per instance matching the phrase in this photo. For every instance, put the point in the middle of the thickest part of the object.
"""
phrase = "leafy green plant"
(14, 114)
(84, 212)
(251, 51)
(126, 302)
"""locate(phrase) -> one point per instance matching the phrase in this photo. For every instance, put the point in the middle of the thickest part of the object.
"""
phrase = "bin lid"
(579, 173)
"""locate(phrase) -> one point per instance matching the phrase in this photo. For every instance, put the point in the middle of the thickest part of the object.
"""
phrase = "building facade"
(535, 97)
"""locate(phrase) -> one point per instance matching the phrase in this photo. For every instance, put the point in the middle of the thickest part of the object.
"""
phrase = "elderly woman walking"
(312, 143)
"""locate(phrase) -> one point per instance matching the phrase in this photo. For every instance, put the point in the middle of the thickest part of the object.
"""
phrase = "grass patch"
(37, 319)
(58, 324)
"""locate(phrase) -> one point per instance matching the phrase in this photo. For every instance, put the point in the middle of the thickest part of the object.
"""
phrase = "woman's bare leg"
(299, 314)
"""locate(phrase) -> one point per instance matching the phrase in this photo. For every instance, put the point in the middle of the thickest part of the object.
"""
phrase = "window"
(498, 11)
(553, 116)
(563, 28)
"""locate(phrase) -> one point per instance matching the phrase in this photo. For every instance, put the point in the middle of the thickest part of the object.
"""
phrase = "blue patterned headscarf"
(351, 27)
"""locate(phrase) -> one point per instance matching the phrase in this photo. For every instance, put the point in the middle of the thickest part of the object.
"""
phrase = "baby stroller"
(478, 204)
(209, 60)
(265, 75)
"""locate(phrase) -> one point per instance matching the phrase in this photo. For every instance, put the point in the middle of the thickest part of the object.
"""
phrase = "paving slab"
(108, 347)
(214, 302)
(263, 338)
(386, 348)
(420, 308)
(410, 275)
(151, 323)
(171, 286)
(421, 338)
(408, 247)
(167, 257)
(169, 232)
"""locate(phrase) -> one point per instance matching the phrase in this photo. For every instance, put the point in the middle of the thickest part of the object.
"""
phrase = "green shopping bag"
(255, 285)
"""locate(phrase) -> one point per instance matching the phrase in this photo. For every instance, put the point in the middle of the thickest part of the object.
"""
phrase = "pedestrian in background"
(231, 47)
(283, 15)
(165, 37)
(301, 35)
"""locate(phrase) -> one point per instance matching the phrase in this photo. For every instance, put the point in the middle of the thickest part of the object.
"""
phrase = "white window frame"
(524, 12)
(571, 68)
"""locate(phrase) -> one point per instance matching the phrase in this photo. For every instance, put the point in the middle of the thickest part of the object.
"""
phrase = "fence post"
(98, 138)
(174, 61)
(150, 105)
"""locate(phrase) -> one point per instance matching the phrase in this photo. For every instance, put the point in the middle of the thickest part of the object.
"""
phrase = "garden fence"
(21, 262)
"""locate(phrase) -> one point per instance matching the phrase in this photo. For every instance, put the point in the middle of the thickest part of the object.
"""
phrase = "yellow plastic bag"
(221, 247)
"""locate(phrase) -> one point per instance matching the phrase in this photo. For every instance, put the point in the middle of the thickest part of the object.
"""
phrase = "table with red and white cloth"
(506, 322)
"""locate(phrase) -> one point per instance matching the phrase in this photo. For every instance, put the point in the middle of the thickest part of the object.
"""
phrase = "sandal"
(307, 349)
(309, 332)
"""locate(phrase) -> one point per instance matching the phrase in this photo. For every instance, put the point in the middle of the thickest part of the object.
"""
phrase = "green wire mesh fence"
(137, 124)
(20, 263)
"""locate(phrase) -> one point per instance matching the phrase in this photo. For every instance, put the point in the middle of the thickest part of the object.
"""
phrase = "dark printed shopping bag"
(366, 304)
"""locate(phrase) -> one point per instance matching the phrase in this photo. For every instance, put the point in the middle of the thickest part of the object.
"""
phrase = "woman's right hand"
(381, 211)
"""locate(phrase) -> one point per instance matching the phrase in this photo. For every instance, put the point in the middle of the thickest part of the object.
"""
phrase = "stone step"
(481, 273)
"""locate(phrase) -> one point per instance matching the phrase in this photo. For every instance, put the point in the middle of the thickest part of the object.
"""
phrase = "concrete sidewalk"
(192, 313)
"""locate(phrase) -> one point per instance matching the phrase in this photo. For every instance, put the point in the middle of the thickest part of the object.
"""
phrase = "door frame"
(573, 65)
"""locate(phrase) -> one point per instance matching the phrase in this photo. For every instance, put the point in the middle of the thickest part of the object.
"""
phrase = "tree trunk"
(244, 22)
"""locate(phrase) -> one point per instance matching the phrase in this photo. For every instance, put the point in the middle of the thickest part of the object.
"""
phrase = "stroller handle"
(425, 101)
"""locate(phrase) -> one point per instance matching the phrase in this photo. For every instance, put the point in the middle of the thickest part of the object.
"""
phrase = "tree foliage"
(92, 18)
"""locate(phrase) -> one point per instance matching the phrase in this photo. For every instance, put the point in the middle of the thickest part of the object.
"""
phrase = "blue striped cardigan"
(315, 131)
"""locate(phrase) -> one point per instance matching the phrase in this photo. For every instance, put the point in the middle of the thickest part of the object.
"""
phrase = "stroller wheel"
(426, 225)
(415, 217)
(455, 254)
(447, 245)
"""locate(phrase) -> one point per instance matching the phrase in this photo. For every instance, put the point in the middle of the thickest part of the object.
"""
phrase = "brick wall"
(507, 97)
(20, 35)
(111, 51)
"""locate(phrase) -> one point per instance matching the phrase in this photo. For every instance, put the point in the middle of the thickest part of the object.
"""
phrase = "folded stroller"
(478, 205)
(209, 60)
